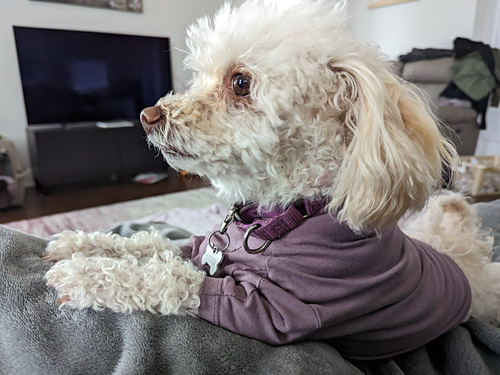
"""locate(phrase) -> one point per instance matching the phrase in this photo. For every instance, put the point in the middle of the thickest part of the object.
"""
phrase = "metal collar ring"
(245, 241)
(212, 245)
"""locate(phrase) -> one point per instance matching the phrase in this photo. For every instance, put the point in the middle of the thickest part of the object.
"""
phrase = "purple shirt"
(370, 296)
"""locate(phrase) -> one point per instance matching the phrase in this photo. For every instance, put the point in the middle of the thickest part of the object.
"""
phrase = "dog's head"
(286, 105)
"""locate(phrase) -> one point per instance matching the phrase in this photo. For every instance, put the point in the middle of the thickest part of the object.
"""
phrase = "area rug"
(194, 210)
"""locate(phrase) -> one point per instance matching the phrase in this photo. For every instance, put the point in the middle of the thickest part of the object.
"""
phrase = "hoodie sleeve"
(188, 249)
(260, 310)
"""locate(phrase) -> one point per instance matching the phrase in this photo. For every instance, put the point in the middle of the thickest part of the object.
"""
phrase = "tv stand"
(83, 152)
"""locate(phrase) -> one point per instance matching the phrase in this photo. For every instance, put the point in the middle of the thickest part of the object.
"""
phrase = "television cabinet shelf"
(82, 152)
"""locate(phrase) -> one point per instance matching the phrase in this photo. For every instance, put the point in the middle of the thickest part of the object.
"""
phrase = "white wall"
(486, 21)
(487, 29)
(421, 24)
(167, 18)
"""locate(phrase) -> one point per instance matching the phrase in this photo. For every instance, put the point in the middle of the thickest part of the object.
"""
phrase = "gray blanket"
(38, 338)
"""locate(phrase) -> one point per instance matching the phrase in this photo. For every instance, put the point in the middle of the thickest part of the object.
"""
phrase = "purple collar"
(275, 223)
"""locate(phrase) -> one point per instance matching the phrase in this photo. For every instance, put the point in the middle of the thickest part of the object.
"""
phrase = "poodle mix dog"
(324, 150)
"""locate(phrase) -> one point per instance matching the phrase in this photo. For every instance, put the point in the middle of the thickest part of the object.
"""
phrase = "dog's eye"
(241, 84)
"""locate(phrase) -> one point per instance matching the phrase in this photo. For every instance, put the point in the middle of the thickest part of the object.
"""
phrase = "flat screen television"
(76, 76)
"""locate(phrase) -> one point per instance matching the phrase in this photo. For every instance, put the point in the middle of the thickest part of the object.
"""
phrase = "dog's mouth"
(163, 143)
(174, 152)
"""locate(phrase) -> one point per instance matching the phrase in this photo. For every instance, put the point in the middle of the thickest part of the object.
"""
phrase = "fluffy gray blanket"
(38, 338)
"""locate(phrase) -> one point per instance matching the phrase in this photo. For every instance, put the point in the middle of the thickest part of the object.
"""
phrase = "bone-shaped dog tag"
(212, 257)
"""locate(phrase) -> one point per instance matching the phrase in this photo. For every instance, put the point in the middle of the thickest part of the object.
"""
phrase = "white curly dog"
(325, 149)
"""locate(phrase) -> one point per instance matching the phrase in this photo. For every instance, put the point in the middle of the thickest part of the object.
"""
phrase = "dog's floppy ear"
(396, 153)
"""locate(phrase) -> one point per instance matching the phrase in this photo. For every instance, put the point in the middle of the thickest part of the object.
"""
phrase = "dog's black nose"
(150, 117)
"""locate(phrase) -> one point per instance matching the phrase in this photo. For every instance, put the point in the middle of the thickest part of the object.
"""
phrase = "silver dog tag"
(212, 258)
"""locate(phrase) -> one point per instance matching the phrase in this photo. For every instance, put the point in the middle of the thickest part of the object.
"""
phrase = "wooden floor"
(74, 198)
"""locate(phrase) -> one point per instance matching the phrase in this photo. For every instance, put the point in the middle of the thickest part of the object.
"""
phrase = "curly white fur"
(325, 116)
(451, 227)
(141, 244)
(144, 272)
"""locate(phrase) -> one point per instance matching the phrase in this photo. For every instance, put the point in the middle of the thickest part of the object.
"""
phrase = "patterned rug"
(194, 210)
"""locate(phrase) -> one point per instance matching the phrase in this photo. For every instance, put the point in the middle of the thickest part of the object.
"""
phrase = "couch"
(432, 76)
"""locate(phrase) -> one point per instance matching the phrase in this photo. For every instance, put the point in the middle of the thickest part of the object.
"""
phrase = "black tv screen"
(75, 76)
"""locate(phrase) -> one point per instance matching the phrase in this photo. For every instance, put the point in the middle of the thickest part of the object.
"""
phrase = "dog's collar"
(254, 220)
(274, 223)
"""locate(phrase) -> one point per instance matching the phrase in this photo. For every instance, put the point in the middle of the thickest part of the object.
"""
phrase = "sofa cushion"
(432, 90)
(454, 114)
(447, 113)
(427, 71)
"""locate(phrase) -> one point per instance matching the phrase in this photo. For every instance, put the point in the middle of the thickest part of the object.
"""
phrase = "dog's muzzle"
(152, 118)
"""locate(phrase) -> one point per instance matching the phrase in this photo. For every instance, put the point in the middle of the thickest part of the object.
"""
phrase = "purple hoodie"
(369, 296)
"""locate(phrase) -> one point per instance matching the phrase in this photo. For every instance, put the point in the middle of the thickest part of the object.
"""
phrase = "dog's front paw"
(163, 284)
(67, 243)
(64, 245)
(76, 288)
(97, 282)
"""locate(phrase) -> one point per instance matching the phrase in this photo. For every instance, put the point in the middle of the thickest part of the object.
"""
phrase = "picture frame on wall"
(134, 6)
(373, 4)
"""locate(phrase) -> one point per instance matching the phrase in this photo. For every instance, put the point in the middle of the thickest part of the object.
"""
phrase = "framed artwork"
(125, 5)
(372, 4)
